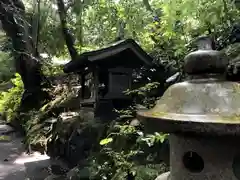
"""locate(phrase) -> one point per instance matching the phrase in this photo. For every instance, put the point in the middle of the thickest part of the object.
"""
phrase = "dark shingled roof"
(125, 52)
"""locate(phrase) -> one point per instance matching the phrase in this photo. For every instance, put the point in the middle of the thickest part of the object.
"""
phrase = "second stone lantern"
(202, 116)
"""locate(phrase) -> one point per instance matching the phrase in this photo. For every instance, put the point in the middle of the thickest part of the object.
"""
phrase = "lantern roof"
(204, 103)
(125, 53)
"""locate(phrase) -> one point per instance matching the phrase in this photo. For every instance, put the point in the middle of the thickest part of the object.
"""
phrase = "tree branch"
(226, 11)
(147, 5)
(69, 5)
(35, 28)
(121, 30)
(66, 32)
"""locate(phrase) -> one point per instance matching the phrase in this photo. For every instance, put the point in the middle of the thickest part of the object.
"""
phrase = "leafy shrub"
(127, 151)
(145, 95)
(117, 162)
(49, 69)
(10, 100)
(6, 68)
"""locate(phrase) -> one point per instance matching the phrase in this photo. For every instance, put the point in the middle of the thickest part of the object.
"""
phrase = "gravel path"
(15, 164)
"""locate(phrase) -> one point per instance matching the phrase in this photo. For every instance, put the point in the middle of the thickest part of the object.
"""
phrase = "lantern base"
(164, 176)
(200, 158)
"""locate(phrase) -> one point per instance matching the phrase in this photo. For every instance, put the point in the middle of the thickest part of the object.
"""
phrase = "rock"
(173, 78)
(76, 174)
(5, 129)
(58, 170)
(55, 177)
(73, 174)
(140, 107)
(74, 140)
(164, 176)
(135, 122)
(51, 177)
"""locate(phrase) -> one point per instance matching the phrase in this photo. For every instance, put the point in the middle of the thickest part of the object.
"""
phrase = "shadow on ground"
(15, 164)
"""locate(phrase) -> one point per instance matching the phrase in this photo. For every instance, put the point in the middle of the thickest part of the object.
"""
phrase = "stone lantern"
(202, 116)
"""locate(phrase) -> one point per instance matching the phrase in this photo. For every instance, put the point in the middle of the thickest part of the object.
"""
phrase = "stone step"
(6, 129)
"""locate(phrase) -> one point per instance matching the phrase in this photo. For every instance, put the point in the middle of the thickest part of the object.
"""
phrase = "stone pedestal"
(199, 158)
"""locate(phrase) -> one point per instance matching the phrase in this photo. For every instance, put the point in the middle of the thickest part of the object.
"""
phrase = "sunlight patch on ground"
(25, 158)
(5, 138)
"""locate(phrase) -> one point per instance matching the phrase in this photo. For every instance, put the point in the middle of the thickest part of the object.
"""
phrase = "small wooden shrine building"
(105, 74)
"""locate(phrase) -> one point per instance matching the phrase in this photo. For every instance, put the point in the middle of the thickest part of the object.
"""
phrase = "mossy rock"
(76, 174)
(150, 172)
(76, 137)
(67, 123)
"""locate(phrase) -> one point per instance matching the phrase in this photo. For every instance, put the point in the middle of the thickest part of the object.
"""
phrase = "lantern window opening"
(193, 162)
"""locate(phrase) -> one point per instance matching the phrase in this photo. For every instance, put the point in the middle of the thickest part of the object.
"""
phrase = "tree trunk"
(66, 31)
(147, 5)
(12, 16)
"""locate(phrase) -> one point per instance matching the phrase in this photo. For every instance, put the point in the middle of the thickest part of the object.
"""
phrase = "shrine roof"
(125, 52)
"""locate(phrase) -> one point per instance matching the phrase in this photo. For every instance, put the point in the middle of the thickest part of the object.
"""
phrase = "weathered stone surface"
(202, 116)
(5, 129)
(185, 106)
(217, 156)
(74, 140)
(55, 177)
(164, 176)
(76, 174)
(73, 174)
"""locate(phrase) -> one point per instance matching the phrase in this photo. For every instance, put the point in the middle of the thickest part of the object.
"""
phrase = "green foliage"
(94, 24)
(126, 149)
(106, 141)
(115, 162)
(151, 139)
(144, 90)
(10, 100)
(145, 95)
(6, 68)
(107, 159)
(51, 70)
(39, 125)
